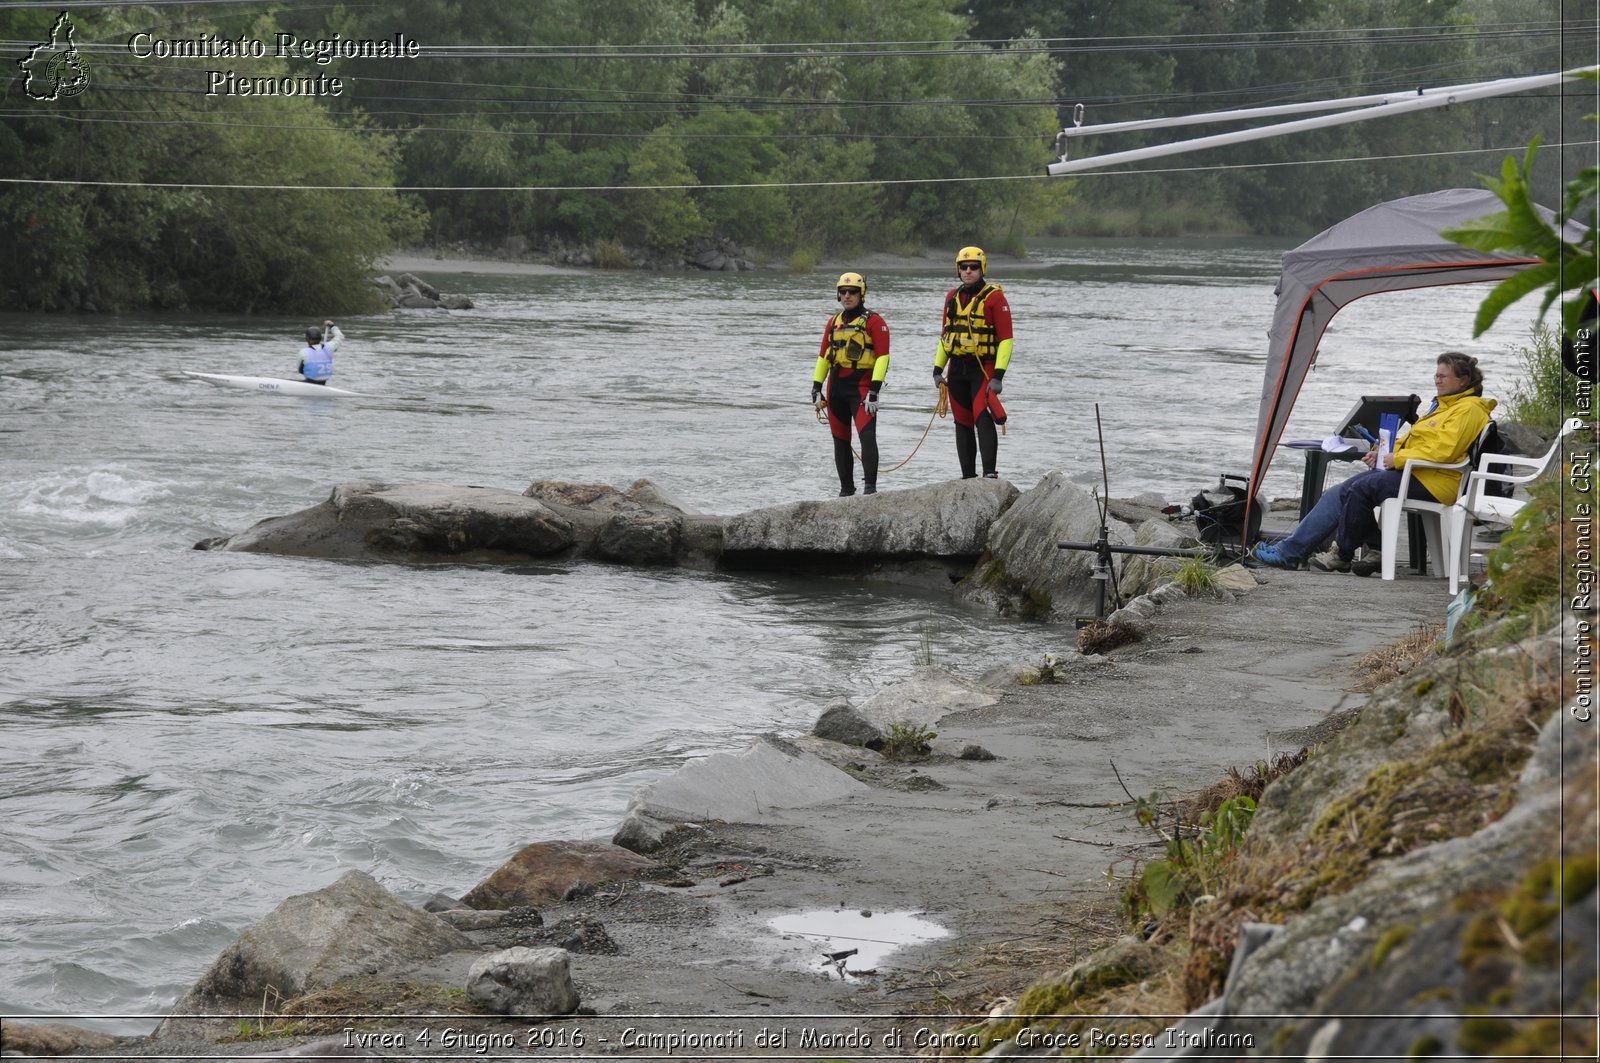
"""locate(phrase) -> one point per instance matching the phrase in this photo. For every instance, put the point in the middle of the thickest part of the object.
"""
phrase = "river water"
(187, 738)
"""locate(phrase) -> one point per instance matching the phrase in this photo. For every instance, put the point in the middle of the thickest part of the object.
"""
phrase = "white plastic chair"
(1432, 514)
(1476, 506)
(1394, 510)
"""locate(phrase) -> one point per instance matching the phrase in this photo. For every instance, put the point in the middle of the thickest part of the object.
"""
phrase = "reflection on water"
(850, 943)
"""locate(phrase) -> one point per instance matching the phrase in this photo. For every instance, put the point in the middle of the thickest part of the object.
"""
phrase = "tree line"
(798, 128)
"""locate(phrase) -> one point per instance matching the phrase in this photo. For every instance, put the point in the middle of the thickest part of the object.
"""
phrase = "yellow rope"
(940, 410)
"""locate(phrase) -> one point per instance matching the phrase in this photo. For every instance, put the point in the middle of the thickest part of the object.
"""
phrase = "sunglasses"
(849, 291)
(968, 265)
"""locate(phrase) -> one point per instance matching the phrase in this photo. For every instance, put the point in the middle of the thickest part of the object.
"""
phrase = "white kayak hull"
(275, 385)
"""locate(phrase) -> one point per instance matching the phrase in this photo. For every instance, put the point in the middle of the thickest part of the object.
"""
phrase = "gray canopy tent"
(1394, 246)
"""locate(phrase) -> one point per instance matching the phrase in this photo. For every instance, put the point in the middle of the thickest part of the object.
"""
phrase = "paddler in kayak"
(316, 357)
(975, 345)
(853, 360)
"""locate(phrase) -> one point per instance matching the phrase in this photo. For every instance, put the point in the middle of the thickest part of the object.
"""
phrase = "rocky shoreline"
(719, 921)
(995, 545)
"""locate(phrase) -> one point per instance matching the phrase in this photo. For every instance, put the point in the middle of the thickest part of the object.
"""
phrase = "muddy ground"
(1008, 857)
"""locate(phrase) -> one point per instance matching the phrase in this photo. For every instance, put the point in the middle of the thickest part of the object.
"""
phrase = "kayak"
(273, 384)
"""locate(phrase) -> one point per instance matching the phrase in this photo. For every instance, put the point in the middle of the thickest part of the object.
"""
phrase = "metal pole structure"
(1383, 107)
(1103, 573)
(1148, 551)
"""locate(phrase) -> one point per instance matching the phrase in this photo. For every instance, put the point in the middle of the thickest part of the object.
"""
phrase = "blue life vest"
(316, 363)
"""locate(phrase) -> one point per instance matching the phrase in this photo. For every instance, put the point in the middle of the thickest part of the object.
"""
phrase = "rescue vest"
(967, 333)
(849, 342)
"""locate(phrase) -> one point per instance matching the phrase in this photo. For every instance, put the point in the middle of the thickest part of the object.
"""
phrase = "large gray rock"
(929, 695)
(367, 520)
(524, 981)
(542, 873)
(841, 722)
(411, 292)
(743, 787)
(640, 526)
(53, 1039)
(351, 928)
(1027, 574)
(946, 520)
(1398, 723)
(926, 536)
(1334, 940)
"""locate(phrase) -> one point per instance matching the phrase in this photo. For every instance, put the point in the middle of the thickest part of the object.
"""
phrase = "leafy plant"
(1526, 569)
(907, 741)
(1565, 267)
(1049, 671)
(1539, 399)
(1196, 860)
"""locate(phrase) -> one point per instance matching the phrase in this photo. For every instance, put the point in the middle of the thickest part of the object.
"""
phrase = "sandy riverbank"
(1008, 856)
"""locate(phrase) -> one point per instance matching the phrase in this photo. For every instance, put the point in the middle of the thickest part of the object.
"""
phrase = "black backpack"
(1219, 514)
(1491, 443)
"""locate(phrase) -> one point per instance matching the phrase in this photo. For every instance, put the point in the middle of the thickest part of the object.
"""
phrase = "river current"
(187, 738)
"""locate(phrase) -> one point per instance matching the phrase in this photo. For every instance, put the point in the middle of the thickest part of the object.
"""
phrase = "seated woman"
(1444, 434)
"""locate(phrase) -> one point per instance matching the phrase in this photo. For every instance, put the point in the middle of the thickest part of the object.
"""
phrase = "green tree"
(118, 234)
(667, 216)
(727, 146)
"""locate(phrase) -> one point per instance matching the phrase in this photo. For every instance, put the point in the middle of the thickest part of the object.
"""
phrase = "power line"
(986, 48)
(773, 186)
(382, 131)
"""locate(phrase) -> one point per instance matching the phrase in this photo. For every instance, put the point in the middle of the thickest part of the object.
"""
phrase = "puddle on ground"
(834, 932)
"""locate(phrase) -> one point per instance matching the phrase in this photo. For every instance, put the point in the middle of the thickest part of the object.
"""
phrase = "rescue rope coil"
(941, 408)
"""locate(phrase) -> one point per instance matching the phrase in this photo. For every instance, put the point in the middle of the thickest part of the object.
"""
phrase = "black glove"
(816, 394)
(938, 377)
(994, 384)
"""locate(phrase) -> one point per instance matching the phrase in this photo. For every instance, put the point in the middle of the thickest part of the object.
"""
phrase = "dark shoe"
(991, 476)
(1267, 554)
(870, 489)
(845, 492)
(1331, 560)
(1369, 564)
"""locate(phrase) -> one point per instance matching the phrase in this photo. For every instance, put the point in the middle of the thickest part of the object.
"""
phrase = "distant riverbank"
(425, 262)
(468, 260)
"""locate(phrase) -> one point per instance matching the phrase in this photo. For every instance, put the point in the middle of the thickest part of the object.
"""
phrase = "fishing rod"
(1104, 572)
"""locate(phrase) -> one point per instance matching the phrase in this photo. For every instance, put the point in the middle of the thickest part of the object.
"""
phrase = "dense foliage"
(117, 241)
(796, 127)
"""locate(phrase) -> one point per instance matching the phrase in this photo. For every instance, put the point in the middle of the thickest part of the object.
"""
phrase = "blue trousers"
(1346, 513)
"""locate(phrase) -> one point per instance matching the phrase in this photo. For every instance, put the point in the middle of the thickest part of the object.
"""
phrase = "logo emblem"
(55, 69)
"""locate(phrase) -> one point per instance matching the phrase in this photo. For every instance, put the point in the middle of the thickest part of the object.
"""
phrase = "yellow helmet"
(852, 280)
(973, 254)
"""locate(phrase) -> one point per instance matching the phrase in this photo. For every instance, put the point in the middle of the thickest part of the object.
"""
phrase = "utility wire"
(864, 182)
(986, 48)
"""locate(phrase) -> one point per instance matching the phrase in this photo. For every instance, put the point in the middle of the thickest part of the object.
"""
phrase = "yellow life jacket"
(967, 333)
(849, 342)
